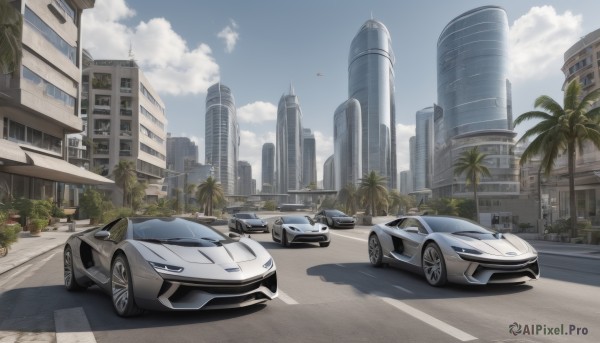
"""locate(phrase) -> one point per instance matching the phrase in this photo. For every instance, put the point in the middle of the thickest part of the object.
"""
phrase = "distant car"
(288, 230)
(247, 222)
(335, 219)
(169, 264)
(451, 249)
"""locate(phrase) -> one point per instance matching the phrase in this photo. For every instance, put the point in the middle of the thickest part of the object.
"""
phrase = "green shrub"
(91, 204)
(9, 233)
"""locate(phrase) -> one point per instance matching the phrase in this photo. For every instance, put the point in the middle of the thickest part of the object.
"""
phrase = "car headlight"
(269, 264)
(294, 229)
(467, 250)
(248, 225)
(161, 267)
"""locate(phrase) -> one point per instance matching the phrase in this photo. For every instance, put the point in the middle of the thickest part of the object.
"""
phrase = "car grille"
(309, 238)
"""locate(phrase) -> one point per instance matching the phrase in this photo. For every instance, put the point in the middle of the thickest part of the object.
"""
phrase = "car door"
(277, 227)
(117, 231)
(413, 233)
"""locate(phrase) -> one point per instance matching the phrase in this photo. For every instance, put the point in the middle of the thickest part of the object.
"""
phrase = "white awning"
(55, 169)
(11, 153)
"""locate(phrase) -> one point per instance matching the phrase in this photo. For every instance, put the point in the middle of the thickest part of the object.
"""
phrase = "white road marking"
(49, 257)
(72, 326)
(286, 298)
(356, 238)
(424, 317)
(367, 274)
(19, 271)
(403, 289)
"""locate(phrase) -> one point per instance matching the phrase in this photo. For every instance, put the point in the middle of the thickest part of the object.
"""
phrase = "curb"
(25, 260)
(553, 253)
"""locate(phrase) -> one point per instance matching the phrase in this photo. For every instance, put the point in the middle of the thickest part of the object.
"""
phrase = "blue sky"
(258, 48)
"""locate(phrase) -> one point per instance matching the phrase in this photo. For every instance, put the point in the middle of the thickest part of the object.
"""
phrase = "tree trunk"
(572, 202)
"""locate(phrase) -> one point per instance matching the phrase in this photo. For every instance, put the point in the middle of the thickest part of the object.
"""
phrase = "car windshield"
(295, 220)
(335, 213)
(453, 225)
(172, 229)
(246, 216)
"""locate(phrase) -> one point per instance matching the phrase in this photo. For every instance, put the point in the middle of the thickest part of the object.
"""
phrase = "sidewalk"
(566, 249)
(28, 247)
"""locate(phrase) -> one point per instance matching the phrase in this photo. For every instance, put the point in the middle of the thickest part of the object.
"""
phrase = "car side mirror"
(102, 235)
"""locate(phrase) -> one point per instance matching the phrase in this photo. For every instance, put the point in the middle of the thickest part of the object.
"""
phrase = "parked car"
(450, 249)
(247, 222)
(169, 264)
(288, 230)
(335, 219)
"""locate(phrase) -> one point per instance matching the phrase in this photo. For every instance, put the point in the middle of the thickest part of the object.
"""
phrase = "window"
(118, 231)
(49, 89)
(125, 85)
(16, 131)
(102, 81)
(102, 127)
(66, 7)
(125, 106)
(102, 104)
(50, 35)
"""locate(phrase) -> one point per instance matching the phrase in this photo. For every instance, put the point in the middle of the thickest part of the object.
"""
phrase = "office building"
(473, 94)
(347, 144)
(371, 82)
(182, 155)
(39, 103)
(268, 168)
(329, 173)
(244, 178)
(289, 139)
(423, 159)
(309, 159)
(222, 136)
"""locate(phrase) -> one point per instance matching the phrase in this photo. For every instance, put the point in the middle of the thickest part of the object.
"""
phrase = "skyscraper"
(347, 144)
(371, 82)
(472, 60)
(424, 148)
(222, 138)
(268, 168)
(182, 156)
(309, 159)
(245, 178)
(329, 173)
(288, 152)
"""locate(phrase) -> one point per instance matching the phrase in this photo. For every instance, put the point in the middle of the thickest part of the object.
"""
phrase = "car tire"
(273, 236)
(69, 271)
(122, 288)
(239, 228)
(324, 244)
(434, 266)
(375, 251)
(284, 239)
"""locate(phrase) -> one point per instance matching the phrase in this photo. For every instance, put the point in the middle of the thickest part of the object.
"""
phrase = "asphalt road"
(326, 295)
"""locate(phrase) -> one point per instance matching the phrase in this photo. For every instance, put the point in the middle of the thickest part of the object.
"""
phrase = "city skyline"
(229, 42)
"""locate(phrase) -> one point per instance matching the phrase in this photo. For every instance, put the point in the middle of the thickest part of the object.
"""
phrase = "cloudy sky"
(259, 48)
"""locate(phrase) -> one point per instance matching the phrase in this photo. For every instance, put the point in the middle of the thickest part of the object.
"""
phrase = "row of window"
(580, 64)
(151, 151)
(144, 130)
(151, 98)
(49, 89)
(65, 6)
(149, 115)
(18, 132)
(148, 168)
(50, 35)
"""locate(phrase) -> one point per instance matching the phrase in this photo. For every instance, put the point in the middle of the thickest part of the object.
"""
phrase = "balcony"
(126, 133)
(101, 151)
(103, 132)
(125, 89)
(125, 152)
(100, 109)
(126, 112)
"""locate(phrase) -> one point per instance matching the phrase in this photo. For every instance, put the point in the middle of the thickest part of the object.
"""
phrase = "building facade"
(406, 182)
(347, 144)
(371, 82)
(423, 149)
(126, 121)
(182, 155)
(222, 136)
(245, 185)
(268, 168)
(329, 173)
(39, 103)
(474, 97)
(309, 159)
(289, 139)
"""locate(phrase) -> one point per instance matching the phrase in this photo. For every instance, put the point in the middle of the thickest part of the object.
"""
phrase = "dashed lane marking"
(367, 274)
(404, 289)
(286, 298)
(355, 238)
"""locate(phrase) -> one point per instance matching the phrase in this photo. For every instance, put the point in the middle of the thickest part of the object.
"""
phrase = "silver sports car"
(246, 222)
(298, 229)
(169, 264)
(450, 249)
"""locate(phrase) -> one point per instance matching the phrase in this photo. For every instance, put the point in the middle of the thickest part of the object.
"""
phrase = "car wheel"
(375, 251)
(122, 288)
(239, 227)
(324, 244)
(329, 222)
(273, 236)
(69, 271)
(284, 239)
(266, 230)
(434, 265)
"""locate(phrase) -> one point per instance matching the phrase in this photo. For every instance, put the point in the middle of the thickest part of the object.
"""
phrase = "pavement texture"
(29, 247)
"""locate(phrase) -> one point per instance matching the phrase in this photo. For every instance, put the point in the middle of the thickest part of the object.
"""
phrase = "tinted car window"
(165, 228)
(246, 216)
(412, 222)
(449, 224)
(295, 220)
(335, 213)
(119, 230)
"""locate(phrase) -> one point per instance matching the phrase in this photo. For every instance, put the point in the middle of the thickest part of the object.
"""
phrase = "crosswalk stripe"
(286, 298)
(72, 326)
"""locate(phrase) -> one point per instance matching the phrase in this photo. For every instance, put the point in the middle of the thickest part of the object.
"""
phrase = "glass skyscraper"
(289, 137)
(329, 174)
(309, 159)
(222, 137)
(474, 95)
(423, 149)
(347, 144)
(268, 168)
(371, 82)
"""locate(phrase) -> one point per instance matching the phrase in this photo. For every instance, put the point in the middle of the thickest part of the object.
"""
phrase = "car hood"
(225, 254)
(500, 244)
(305, 227)
(254, 221)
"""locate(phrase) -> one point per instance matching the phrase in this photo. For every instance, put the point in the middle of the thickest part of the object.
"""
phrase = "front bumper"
(308, 237)
(470, 269)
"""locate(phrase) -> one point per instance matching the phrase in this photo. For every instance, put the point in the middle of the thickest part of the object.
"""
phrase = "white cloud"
(165, 57)
(324, 149)
(251, 151)
(230, 36)
(538, 40)
(403, 134)
(257, 112)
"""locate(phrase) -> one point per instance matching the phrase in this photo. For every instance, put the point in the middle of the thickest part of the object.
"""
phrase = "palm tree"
(208, 193)
(373, 190)
(11, 26)
(470, 162)
(138, 193)
(563, 129)
(348, 196)
(190, 188)
(126, 178)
